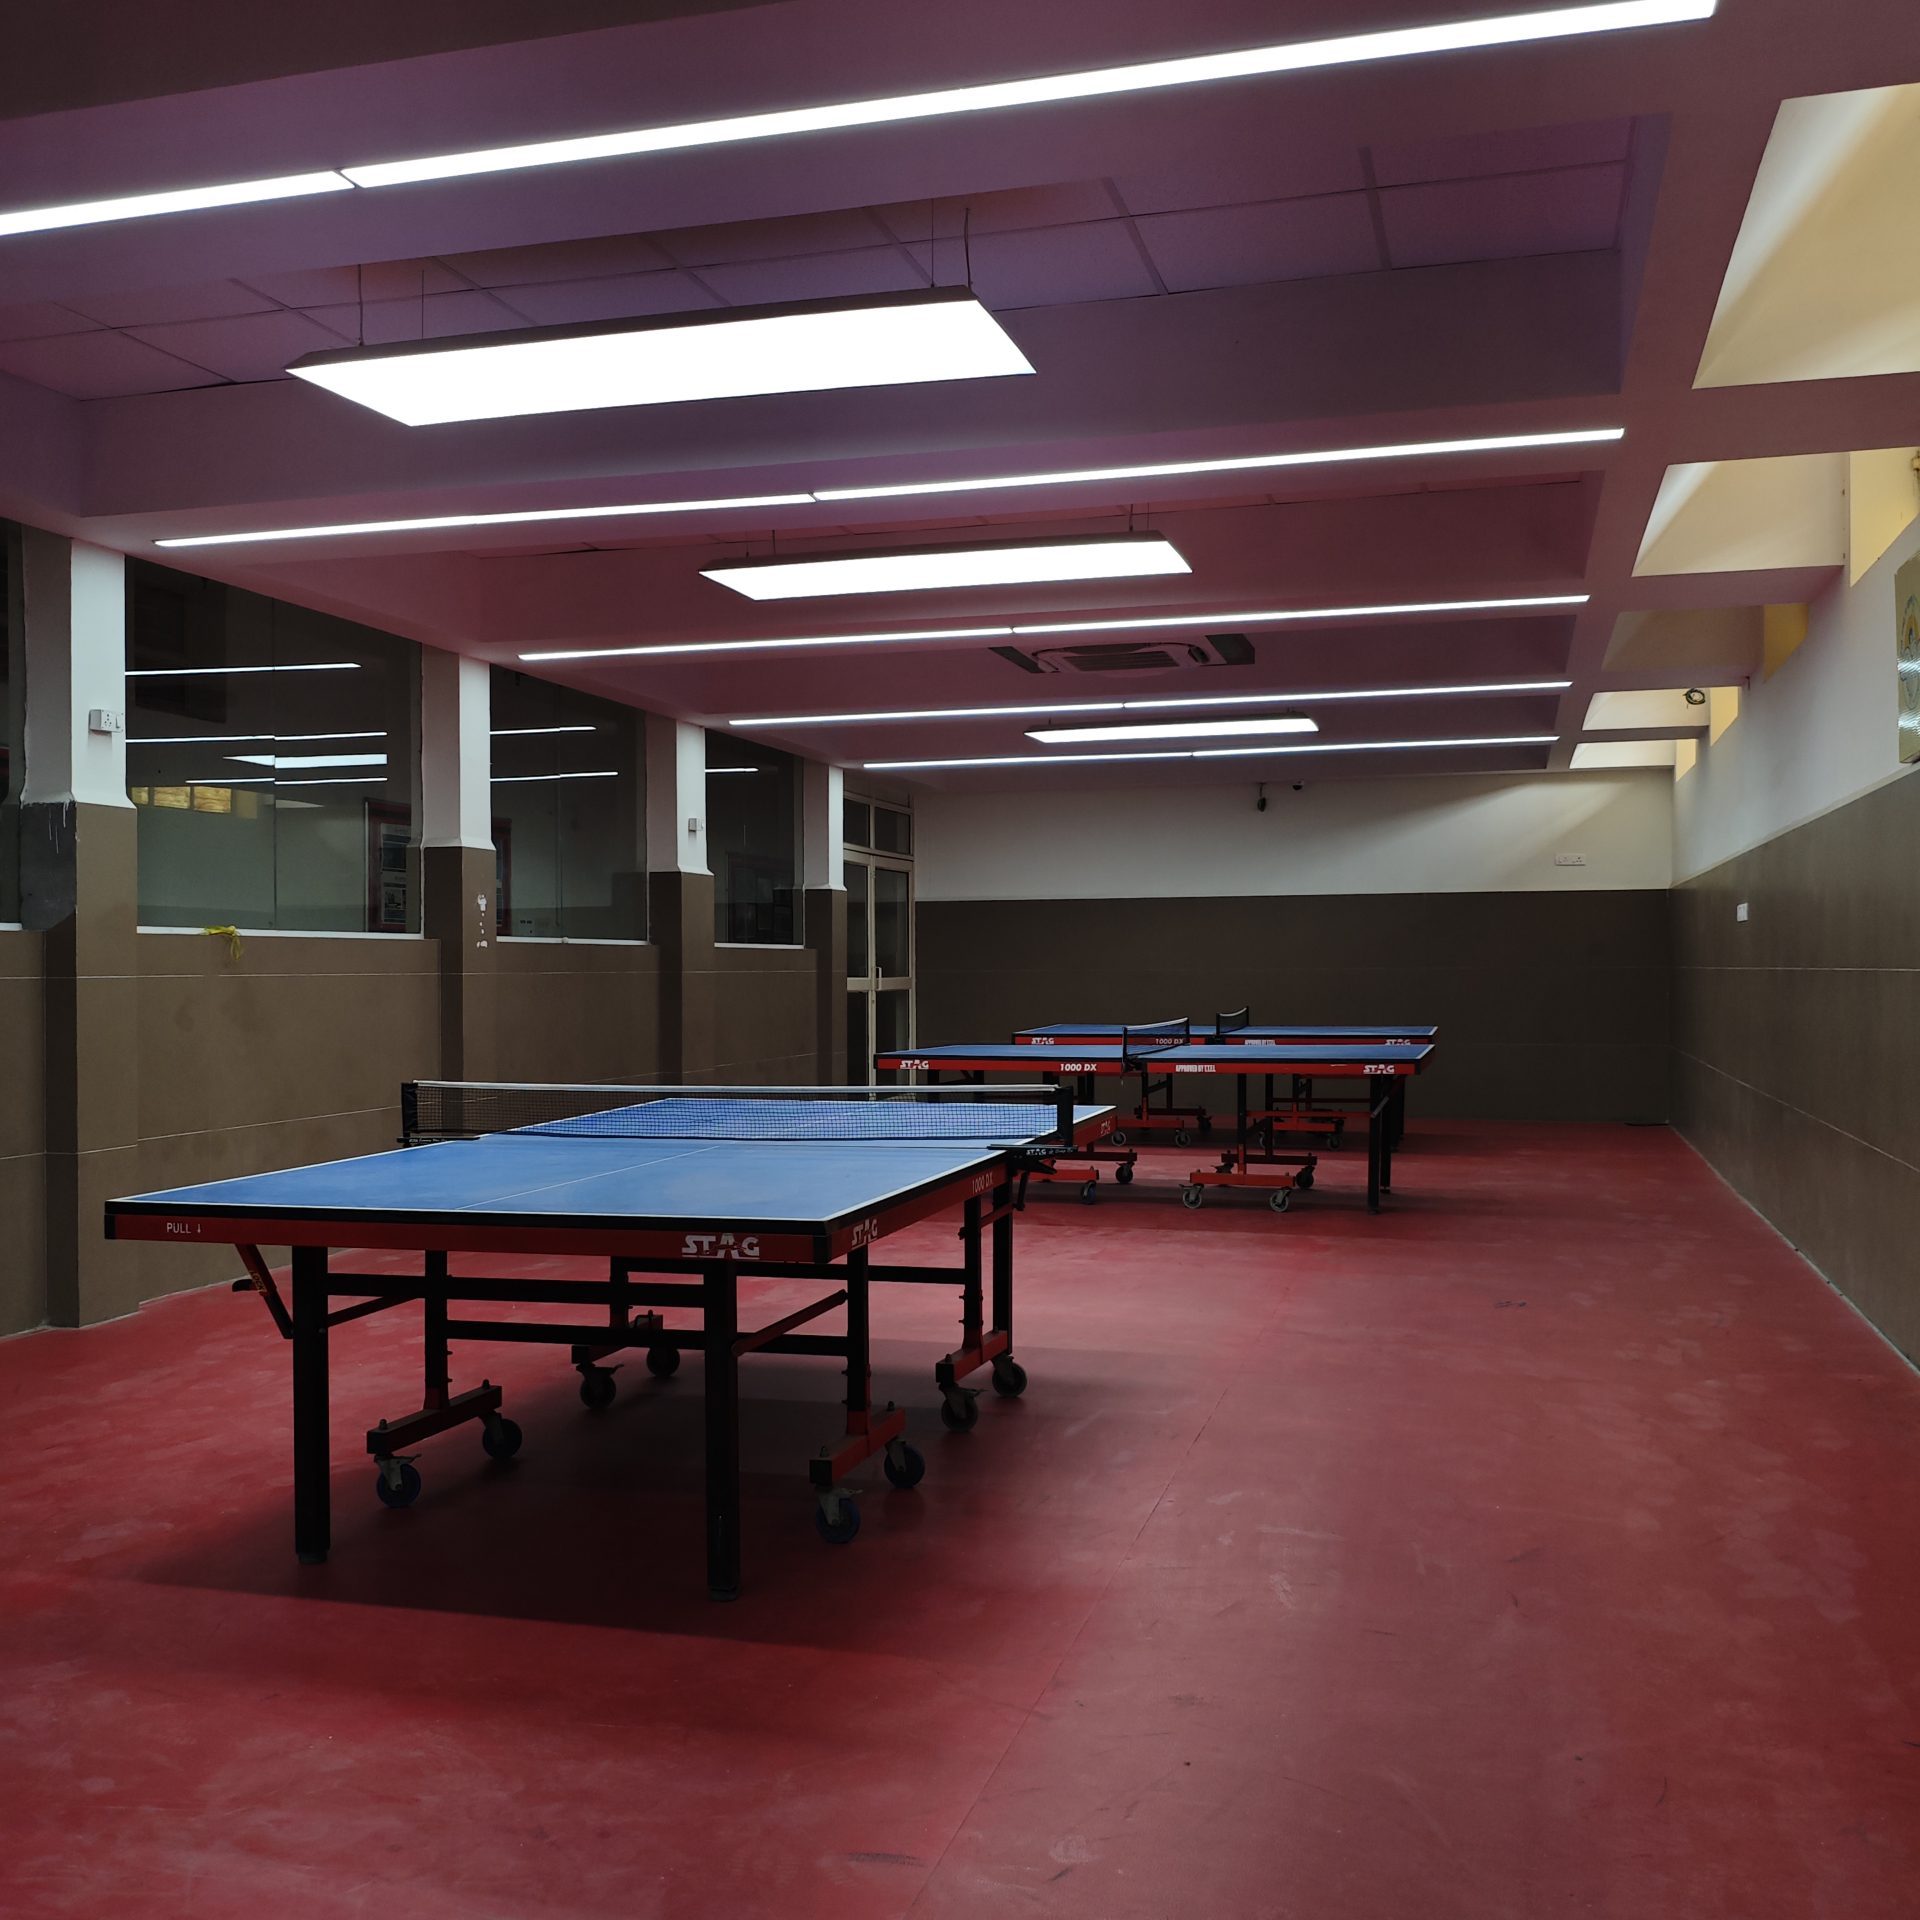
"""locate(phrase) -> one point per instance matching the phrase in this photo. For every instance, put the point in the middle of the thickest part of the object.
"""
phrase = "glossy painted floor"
(1546, 1547)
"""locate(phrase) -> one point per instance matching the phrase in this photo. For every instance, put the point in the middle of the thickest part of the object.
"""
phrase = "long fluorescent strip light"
(184, 673)
(1175, 730)
(522, 779)
(1091, 84)
(527, 733)
(240, 739)
(1123, 556)
(813, 346)
(143, 206)
(1224, 621)
(277, 761)
(1557, 23)
(1210, 753)
(778, 720)
(444, 521)
(1250, 463)
(820, 496)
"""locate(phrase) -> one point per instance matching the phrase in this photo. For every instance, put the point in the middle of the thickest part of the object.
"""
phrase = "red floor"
(1546, 1547)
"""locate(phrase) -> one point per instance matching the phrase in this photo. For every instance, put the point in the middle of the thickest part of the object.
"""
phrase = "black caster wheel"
(1090, 1191)
(403, 1489)
(1304, 1179)
(960, 1412)
(1123, 1174)
(500, 1437)
(1190, 1197)
(1118, 1137)
(838, 1528)
(597, 1387)
(1009, 1379)
(1206, 1123)
(905, 1467)
(1181, 1137)
(663, 1362)
(1280, 1200)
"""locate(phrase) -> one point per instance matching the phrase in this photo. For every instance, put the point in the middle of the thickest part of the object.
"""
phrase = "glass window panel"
(892, 921)
(753, 841)
(892, 1020)
(892, 830)
(859, 823)
(12, 683)
(569, 820)
(271, 757)
(857, 914)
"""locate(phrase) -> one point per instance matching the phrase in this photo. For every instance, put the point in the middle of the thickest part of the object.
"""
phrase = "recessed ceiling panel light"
(141, 206)
(1250, 463)
(525, 733)
(525, 779)
(1096, 83)
(1177, 730)
(1123, 556)
(1213, 753)
(885, 341)
(298, 666)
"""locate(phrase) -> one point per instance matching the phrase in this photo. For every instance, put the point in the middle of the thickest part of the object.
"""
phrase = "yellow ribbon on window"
(231, 935)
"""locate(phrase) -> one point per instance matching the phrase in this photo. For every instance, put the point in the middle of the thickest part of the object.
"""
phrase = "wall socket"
(1740, 912)
(1569, 859)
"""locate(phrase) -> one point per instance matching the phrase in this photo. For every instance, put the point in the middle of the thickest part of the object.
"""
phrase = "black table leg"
(1003, 1264)
(1376, 1149)
(721, 1316)
(1388, 1135)
(311, 1441)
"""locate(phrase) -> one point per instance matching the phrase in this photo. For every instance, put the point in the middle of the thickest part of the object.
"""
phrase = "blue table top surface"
(550, 1176)
(1112, 1030)
(1255, 1056)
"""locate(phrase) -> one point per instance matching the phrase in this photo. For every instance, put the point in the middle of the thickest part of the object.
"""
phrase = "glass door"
(879, 959)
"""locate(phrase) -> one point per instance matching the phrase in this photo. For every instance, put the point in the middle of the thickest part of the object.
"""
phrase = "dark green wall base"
(1553, 1006)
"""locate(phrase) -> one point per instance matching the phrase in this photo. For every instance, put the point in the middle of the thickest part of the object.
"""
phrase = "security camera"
(1696, 697)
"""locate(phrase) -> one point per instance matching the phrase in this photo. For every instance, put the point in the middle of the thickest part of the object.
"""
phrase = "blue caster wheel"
(397, 1483)
(500, 1437)
(905, 1466)
(839, 1527)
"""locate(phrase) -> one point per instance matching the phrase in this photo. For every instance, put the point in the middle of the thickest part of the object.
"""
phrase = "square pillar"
(458, 870)
(680, 895)
(79, 885)
(823, 875)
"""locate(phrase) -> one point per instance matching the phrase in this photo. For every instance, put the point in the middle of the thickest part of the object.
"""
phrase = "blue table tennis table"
(681, 1191)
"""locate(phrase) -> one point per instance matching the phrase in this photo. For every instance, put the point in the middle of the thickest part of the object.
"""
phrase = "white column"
(456, 750)
(74, 608)
(823, 792)
(676, 796)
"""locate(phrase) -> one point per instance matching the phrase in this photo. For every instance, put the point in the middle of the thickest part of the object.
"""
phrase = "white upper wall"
(1818, 734)
(1449, 834)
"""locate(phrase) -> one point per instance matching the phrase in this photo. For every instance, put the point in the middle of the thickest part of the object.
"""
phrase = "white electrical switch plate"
(1740, 912)
(105, 720)
(1569, 859)
(693, 823)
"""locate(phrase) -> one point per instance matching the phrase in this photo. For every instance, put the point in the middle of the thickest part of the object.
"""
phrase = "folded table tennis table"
(693, 1188)
(1153, 1057)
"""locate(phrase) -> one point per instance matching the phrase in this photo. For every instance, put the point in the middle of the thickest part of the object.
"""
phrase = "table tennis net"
(465, 1110)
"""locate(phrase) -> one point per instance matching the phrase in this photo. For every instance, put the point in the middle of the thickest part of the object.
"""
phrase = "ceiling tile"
(615, 297)
(406, 279)
(622, 253)
(1575, 210)
(100, 366)
(769, 239)
(819, 276)
(256, 346)
(1518, 150)
(315, 287)
(387, 321)
(1059, 266)
(1059, 205)
(1283, 240)
(157, 306)
(1234, 178)
(37, 321)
